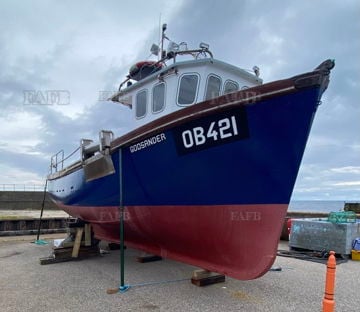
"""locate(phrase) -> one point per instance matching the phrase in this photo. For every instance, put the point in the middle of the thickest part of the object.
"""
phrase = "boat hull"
(201, 235)
(208, 185)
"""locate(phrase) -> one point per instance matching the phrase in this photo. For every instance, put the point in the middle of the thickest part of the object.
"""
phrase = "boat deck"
(81, 285)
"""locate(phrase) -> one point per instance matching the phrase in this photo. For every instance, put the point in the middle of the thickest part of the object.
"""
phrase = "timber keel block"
(63, 254)
(203, 278)
(148, 258)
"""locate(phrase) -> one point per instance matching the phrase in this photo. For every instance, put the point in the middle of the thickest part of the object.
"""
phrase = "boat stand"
(79, 244)
(204, 278)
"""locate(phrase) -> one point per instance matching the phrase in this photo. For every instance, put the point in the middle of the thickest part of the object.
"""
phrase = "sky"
(59, 58)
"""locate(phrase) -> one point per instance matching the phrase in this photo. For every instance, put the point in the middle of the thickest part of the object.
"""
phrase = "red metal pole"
(328, 301)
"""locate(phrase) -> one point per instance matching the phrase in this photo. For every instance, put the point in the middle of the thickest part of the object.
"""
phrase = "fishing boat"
(206, 175)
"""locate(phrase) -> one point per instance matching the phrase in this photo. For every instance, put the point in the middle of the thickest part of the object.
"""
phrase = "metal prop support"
(122, 287)
(37, 241)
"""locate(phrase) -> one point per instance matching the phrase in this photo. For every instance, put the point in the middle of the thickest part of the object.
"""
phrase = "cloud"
(348, 183)
(20, 123)
(11, 174)
(349, 169)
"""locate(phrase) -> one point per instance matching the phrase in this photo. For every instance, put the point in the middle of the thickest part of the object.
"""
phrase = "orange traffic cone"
(328, 301)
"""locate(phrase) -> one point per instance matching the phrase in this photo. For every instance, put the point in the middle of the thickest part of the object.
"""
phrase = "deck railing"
(22, 187)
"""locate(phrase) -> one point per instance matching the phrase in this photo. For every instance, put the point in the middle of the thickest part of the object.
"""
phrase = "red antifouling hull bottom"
(239, 241)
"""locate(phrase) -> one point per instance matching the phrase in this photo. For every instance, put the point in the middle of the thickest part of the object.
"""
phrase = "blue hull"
(259, 167)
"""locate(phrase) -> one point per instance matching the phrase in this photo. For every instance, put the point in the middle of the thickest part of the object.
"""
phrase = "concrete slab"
(25, 285)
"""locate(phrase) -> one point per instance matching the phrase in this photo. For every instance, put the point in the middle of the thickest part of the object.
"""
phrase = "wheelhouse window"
(158, 97)
(230, 86)
(212, 87)
(140, 108)
(187, 89)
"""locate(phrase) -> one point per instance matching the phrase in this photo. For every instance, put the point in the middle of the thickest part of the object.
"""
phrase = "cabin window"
(158, 97)
(230, 86)
(212, 87)
(187, 89)
(140, 108)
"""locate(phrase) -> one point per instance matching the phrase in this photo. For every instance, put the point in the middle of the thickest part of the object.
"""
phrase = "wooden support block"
(76, 248)
(213, 279)
(62, 254)
(148, 258)
(86, 252)
(67, 244)
(52, 260)
(47, 260)
(87, 228)
(199, 274)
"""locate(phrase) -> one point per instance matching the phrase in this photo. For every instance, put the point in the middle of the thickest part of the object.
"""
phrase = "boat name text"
(148, 142)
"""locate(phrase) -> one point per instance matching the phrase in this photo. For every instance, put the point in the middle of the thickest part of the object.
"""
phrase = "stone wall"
(24, 200)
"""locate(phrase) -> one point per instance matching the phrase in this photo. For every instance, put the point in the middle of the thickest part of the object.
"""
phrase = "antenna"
(155, 50)
(159, 55)
(164, 26)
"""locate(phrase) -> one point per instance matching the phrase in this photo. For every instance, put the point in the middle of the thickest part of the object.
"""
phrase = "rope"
(125, 288)
(320, 257)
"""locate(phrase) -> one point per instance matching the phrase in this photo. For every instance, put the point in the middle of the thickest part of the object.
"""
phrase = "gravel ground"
(25, 285)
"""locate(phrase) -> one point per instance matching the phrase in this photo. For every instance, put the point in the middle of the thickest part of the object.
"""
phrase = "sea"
(316, 205)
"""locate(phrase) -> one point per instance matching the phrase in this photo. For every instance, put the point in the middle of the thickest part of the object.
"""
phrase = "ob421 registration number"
(211, 131)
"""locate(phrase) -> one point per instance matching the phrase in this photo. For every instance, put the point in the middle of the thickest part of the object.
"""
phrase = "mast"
(163, 37)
